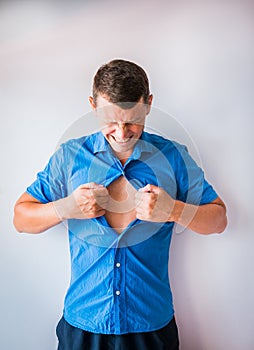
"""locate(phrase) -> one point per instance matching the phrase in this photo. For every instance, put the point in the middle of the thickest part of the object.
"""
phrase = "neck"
(123, 156)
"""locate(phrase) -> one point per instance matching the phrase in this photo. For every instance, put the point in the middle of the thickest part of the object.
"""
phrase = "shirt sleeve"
(192, 187)
(50, 182)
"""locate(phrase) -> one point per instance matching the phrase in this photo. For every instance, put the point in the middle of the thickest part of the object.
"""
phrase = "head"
(122, 100)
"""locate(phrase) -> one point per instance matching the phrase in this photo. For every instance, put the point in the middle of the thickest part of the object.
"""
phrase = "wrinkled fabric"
(73, 338)
(119, 282)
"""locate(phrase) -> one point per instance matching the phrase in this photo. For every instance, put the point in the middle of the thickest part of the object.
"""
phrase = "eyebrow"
(132, 121)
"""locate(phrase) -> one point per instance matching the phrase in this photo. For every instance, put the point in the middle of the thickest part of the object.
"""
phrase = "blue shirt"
(119, 282)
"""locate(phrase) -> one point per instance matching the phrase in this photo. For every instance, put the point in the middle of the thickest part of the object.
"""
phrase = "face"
(121, 127)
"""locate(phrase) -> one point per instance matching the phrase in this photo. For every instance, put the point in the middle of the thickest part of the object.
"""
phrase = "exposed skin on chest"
(121, 207)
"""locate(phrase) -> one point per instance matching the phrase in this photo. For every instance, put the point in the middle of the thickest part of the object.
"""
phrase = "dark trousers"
(72, 338)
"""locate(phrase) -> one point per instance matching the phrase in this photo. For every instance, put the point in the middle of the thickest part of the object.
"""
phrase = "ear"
(150, 100)
(92, 103)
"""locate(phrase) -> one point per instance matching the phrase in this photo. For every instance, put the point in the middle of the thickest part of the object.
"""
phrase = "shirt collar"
(143, 145)
(100, 143)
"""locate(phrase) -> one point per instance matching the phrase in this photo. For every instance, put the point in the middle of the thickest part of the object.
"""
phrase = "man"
(121, 191)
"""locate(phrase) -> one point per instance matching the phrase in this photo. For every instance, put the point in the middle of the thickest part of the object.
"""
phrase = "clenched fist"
(154, 204)
(87, 201)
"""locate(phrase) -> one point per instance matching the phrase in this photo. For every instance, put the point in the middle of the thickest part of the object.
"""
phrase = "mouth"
(122, 141)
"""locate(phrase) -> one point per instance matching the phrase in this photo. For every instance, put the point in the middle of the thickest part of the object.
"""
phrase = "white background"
(199, 58)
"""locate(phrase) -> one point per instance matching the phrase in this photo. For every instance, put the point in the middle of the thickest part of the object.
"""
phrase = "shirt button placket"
(118, 290)
(118, 278)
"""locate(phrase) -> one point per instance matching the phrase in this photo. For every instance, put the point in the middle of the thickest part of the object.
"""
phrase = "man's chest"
(122, 183)
(120, 211)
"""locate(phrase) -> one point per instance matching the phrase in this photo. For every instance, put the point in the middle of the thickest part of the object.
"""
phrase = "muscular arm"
(32, 216)
(204, 219)
(154, 204)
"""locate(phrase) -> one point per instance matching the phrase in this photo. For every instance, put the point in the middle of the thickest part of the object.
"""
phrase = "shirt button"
(118, 264)
(118, 292)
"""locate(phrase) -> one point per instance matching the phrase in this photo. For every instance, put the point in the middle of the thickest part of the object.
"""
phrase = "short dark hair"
(121, 81)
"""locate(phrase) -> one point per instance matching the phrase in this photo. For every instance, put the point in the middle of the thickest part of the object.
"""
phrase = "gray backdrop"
(199, 58)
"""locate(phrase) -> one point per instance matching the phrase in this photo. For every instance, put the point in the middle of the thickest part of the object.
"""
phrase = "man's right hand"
(87, 201)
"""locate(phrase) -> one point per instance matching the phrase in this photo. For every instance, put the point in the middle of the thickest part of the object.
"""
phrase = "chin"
(119, 148)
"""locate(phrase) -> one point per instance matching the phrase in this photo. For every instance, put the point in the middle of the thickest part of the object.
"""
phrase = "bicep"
(26, 198)
(219, 202)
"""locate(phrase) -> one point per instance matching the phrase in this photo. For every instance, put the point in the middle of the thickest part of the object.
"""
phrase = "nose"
(121, 130)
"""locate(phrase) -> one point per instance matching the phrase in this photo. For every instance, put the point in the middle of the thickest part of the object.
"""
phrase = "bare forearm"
(33, 217)
(204, 219)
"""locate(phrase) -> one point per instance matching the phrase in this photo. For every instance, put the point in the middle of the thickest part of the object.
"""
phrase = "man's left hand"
(154, 204)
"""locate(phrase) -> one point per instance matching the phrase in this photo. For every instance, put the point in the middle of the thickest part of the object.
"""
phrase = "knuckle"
(150, 211)
(150, 206)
